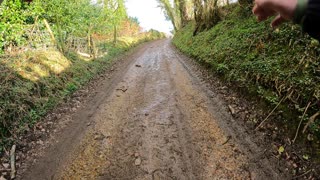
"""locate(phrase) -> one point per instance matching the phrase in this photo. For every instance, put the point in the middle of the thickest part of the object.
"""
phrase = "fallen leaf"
(281, 149)
(137, 162)
(231, 109)
(306, 157)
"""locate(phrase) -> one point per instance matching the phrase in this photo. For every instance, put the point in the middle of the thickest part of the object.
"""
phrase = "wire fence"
(40, 37)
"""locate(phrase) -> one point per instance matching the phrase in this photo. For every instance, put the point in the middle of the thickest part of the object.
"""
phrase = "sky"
(149, 15)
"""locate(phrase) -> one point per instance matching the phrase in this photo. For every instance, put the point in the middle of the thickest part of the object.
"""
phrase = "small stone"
(294, 165)
(43, 130)
(138, 65)
(105, 142)
(2, 178)
(146, 114)
(74, 109)
(274, 136)
(89, 124)
(137, 162)
(310, 137)
(40, 142)
(136, 154)
(6, 165)
(232, 110)
(99, 137)
(254, 175)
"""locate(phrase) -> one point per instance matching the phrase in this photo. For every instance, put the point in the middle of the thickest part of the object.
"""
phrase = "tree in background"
(179, 12)
(114, 12)
(130, 27)
(15, 15)
(183, 11)
(64, 20)
(170, 13)
(205, 13)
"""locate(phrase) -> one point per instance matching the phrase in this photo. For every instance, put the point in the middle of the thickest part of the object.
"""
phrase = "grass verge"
(280, 67)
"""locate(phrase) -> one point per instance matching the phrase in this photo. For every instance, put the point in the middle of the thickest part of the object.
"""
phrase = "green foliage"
(154, 34)
(277, 63)
(172, 12)
(11, 23)
(15, 16)
(67, 18)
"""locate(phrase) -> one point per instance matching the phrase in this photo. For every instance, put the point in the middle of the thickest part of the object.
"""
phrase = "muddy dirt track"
(153, 119)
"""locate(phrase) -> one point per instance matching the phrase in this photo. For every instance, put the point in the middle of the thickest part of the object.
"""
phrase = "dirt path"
(153, 120)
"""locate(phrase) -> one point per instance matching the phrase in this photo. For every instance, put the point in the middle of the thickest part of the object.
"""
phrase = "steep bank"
(280, 67)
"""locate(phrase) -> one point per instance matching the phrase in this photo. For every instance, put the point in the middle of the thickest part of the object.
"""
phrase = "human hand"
(283, 9)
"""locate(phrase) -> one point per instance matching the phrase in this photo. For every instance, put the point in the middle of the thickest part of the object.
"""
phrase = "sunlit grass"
(35, 65)
(38, 64)
(127, 40)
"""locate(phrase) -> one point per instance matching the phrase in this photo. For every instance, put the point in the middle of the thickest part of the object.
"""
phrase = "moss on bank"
(272, 64)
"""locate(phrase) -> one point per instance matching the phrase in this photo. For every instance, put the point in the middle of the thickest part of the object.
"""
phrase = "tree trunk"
(93, 47)
(53, 39)
(89, 42)
(171, 14)
(198, 16)
(183, 12)
(114, 34)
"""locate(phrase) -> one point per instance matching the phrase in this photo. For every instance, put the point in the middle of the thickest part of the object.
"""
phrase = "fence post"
(53, 39)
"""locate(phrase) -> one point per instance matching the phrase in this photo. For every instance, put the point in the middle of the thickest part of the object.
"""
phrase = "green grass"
(270, 64)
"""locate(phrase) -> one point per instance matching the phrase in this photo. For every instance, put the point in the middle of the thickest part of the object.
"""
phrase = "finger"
(262, 14)
(255, 9)
(277, 21)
